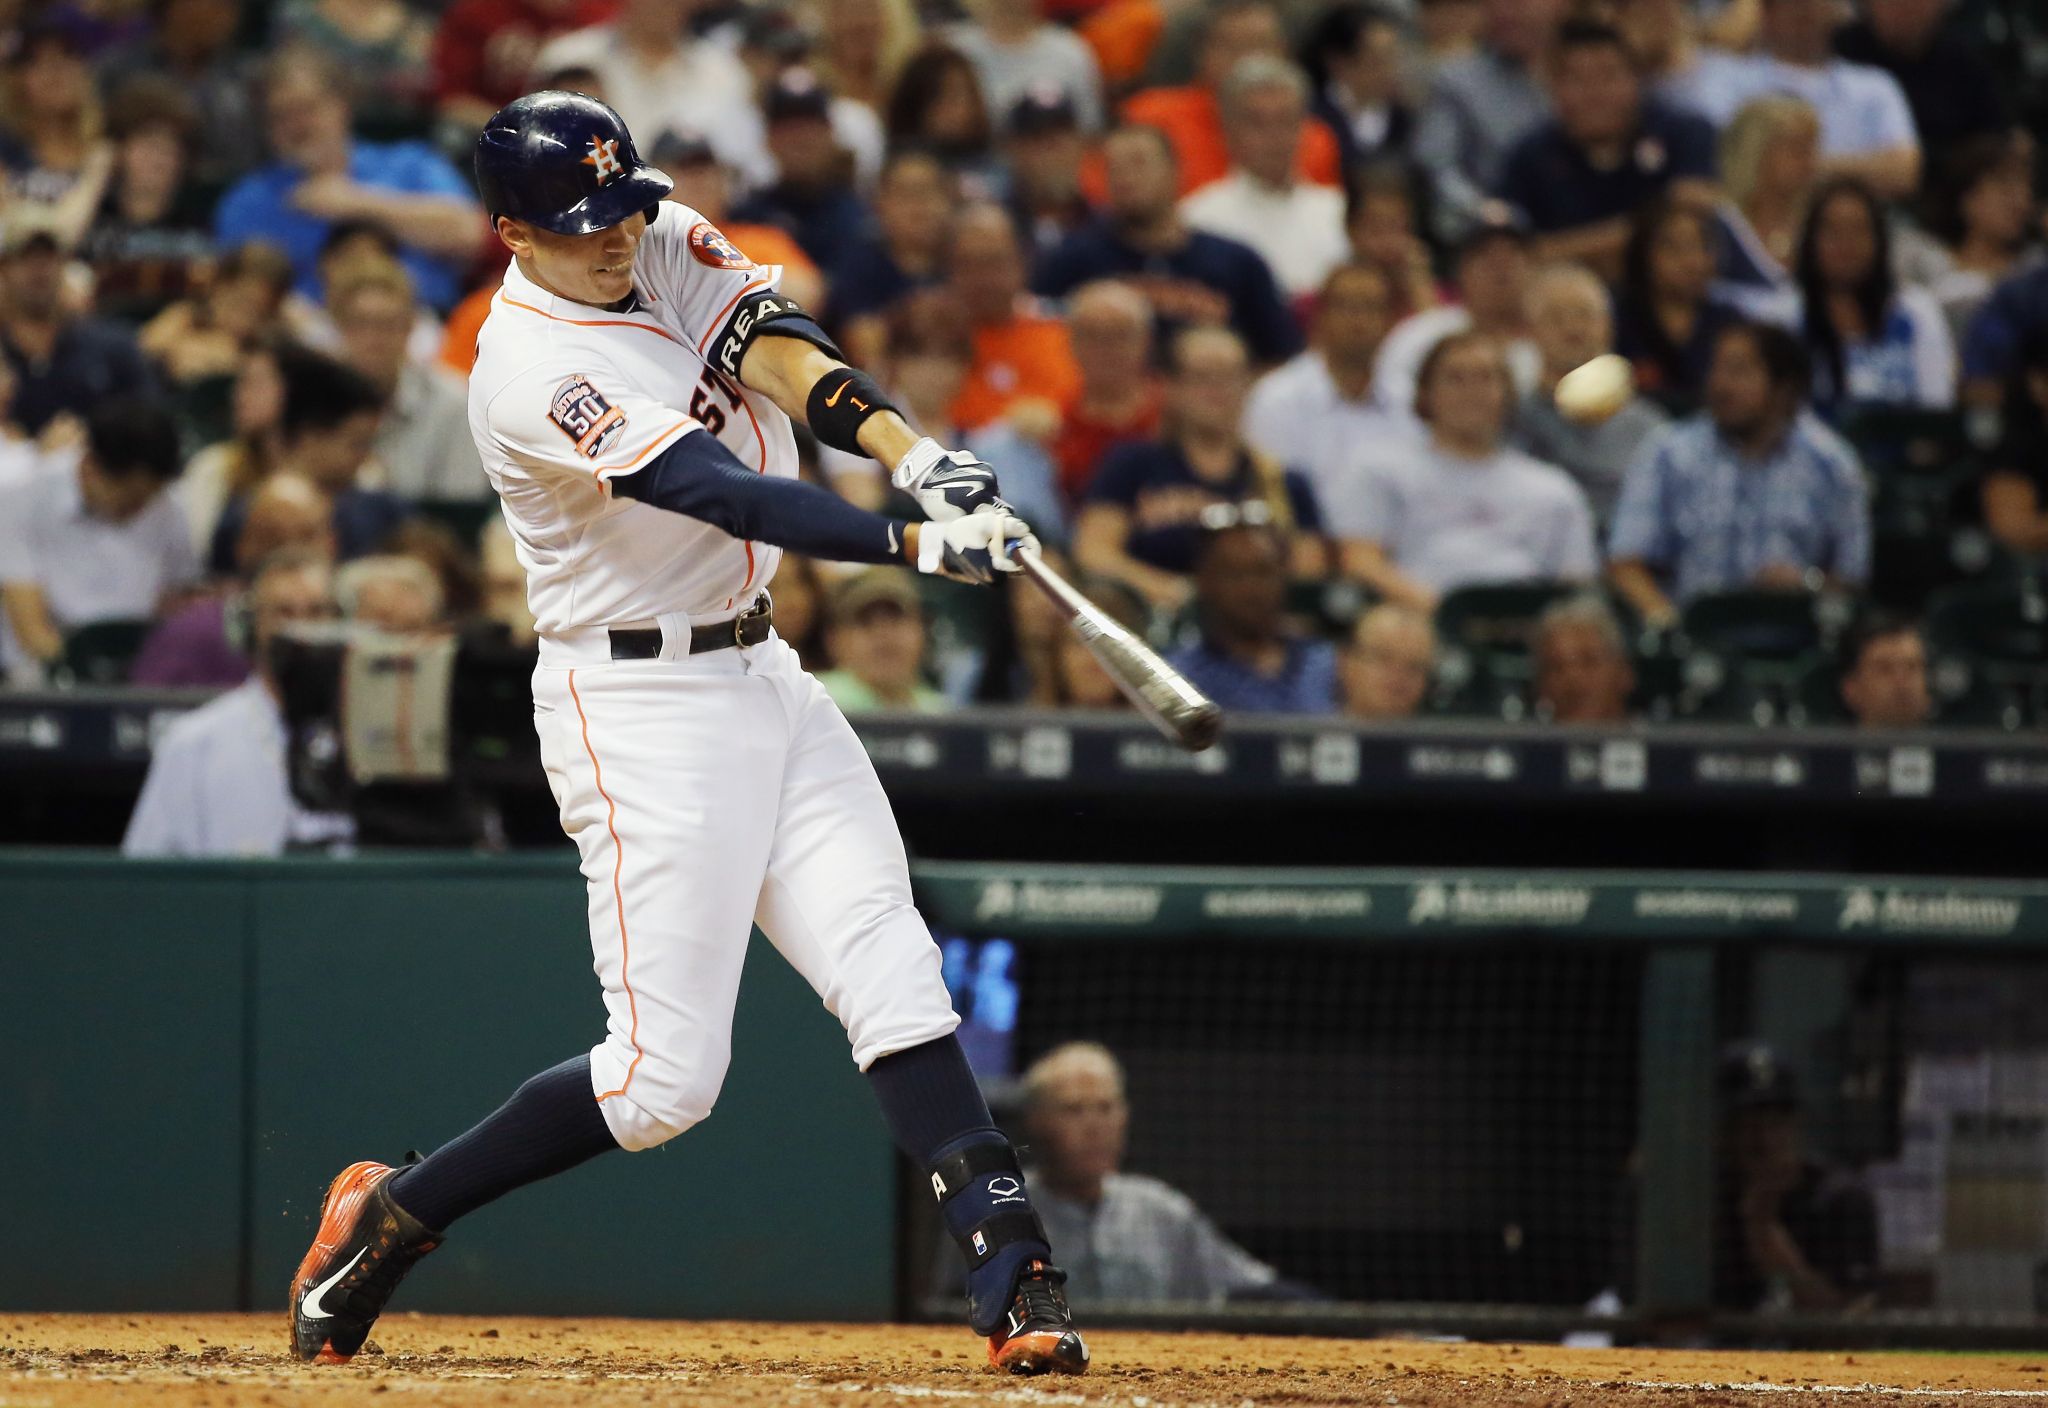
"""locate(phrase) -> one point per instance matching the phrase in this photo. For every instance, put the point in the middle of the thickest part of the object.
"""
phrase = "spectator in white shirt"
(423, 442)
(218, 784)
(1014, 48)
(1573, 320)
(1493, 286)
(1459, 507)
(101, 541)
(661, 78)
(1313, 412)
(1296, 226)
(1866, 125)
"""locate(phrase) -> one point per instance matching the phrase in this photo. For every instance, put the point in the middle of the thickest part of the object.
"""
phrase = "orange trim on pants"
(611, 821)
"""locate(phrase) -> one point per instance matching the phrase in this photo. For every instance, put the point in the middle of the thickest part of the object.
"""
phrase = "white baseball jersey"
(705, 793)
(564, 396)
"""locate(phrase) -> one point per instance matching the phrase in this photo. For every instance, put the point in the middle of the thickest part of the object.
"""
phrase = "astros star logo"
(604, 155)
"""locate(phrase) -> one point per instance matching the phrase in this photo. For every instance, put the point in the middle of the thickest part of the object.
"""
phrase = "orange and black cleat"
(1038, 1336)
(365, 1245)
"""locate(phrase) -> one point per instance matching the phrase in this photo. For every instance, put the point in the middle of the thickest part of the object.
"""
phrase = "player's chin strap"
(981, 1195)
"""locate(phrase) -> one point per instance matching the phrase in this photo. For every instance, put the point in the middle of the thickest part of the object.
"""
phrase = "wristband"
(841, 403)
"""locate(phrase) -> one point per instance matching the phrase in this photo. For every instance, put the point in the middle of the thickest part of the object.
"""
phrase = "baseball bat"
(1162, 694)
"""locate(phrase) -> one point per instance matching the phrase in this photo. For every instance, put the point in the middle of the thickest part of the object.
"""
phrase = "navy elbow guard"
(841, 404)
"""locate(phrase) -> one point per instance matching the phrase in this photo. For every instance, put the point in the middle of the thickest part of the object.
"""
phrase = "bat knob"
(1198, 728)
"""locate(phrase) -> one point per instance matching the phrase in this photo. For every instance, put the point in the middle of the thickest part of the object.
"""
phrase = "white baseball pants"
(707, 794)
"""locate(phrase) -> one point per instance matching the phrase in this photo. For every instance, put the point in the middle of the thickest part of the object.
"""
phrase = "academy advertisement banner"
(1164, 903)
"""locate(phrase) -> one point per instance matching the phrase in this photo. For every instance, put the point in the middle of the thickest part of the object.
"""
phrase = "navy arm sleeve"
(699, 477)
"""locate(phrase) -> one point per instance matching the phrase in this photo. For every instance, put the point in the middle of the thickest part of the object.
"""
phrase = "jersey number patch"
(581, 412)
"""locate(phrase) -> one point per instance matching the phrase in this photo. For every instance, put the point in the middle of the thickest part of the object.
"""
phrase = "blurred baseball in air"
(1596, 390)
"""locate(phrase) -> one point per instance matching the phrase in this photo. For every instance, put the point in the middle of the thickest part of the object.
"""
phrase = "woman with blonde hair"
(1770, 160)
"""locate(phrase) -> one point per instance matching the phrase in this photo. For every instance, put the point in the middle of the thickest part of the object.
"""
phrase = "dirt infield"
(226, 1361)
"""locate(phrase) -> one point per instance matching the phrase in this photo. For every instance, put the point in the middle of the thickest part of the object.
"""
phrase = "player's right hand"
(972, 549)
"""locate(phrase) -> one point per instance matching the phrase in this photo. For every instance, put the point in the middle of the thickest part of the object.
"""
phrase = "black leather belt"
(750, 627)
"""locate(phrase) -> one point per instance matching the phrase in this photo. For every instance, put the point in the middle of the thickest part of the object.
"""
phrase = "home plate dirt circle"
(225, 1361)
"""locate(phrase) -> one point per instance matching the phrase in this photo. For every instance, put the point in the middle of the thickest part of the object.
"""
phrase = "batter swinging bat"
(1162, 694)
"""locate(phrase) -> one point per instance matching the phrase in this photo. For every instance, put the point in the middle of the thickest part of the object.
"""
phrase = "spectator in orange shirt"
(1023, 367)
(1193, 118)
(1110, 324)
(1123, 34)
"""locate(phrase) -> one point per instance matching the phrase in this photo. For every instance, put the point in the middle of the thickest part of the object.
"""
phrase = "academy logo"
(1472, 902)
(1945, 912)
(713, 248)
(1077, 901)
(580, 412)
(604, 156)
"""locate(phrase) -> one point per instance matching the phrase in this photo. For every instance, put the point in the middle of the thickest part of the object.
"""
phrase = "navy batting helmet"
(564, 162)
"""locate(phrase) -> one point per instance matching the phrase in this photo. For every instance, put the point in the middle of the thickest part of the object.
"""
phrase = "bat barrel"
(1160, 692)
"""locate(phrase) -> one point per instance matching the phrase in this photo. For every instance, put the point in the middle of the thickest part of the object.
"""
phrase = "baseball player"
(632, 398)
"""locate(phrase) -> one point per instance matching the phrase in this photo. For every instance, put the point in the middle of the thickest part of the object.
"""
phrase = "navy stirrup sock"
(928, 1096)
(551, 1123)
(938, 1118)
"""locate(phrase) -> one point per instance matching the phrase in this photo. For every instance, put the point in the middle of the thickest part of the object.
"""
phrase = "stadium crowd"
(1259, 307)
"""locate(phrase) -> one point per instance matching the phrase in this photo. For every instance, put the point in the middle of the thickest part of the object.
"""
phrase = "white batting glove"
(947, 484)
(972, 548)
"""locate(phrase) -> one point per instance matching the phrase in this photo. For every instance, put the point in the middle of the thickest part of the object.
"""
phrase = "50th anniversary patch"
(582, 413)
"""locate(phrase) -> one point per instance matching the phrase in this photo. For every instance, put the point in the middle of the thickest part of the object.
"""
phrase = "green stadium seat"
(1927, 533)
(1483, 635)
(1908, 439)
(1746, 653)
(101, 652)
(1988, 650)
(1755, 624)
(204, 410)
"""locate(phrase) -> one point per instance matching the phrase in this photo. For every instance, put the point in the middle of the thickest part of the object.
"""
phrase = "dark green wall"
(193, 1050)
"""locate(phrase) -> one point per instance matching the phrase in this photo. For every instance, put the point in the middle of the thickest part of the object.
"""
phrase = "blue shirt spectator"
(322, 177)
(1755, 491)
(1708, 517)
(1301, 679)
(2015, 315)
(1247, 658)
(1189, 276)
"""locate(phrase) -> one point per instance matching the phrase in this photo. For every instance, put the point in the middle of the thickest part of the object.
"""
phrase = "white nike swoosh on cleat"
(309, 1304)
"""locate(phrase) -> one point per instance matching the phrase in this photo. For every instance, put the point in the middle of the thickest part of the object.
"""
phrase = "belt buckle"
(759, 609)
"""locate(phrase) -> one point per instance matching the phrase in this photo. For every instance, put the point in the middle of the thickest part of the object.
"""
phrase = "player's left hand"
(975, 547)
(947, 484)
